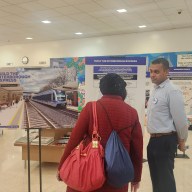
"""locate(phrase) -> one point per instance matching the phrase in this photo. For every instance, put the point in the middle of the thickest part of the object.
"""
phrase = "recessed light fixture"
(142, 26)
(28, 38)
(121, 10)
(46, 21)
(78, 33)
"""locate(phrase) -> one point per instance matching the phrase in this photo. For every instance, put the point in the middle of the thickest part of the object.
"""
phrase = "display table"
(49, 153)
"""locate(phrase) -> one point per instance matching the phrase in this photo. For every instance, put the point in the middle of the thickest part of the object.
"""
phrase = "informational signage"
(182, 77)
(128, 73)
(184, 60)
(131, 69)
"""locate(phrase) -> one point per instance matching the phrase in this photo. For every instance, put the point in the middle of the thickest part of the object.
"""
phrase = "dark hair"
(113, 84)
(162, 61)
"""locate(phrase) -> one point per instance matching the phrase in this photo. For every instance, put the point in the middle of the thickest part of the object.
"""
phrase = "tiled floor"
(13, 175)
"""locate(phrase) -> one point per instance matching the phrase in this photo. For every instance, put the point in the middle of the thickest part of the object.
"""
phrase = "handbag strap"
(95, 121)
(110, 120)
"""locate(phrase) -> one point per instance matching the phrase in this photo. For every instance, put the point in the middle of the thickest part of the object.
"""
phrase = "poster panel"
(131, 69)
(73, 65)
(182, 77)
(41, 97)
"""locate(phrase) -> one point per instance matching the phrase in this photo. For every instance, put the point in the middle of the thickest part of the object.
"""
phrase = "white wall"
(137, 43)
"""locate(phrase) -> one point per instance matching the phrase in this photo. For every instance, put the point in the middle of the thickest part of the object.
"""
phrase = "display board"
(73, 65)
(182, 77)
(41, 97)
(131, 69)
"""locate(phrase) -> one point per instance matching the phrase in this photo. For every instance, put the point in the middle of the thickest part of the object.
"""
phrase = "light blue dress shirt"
(165, 111)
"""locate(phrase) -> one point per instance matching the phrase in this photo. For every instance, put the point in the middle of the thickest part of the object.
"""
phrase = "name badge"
(155, 100)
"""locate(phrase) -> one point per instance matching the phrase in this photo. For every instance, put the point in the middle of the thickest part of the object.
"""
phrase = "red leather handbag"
(83, 170)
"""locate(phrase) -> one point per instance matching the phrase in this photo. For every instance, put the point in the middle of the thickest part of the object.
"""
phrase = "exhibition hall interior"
(52, 57)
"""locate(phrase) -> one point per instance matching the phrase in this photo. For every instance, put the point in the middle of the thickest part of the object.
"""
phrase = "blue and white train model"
(52, 97)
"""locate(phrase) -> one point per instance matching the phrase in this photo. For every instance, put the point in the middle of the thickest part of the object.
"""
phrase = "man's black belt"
(162, 134)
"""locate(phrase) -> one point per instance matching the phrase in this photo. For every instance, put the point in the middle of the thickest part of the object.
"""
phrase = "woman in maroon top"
(123, 117)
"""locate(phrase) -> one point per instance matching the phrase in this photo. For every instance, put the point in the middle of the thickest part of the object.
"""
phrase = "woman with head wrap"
(125, 121)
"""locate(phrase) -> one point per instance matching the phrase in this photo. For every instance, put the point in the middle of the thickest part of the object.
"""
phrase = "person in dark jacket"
(123, 117)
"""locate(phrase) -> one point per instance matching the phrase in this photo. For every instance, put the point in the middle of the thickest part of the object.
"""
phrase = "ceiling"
(22, 18)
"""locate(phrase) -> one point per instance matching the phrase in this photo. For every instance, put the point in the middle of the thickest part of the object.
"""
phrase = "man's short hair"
(162, 61)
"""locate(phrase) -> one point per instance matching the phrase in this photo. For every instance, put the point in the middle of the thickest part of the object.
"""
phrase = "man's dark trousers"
(160, 153)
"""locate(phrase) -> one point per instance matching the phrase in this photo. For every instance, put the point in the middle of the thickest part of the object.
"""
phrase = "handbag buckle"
(94, 144)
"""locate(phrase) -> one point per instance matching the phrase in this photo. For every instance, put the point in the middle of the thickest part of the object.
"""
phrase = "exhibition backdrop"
(78, 78)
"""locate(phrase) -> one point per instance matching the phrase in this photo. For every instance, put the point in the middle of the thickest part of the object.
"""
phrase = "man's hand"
(181, 145)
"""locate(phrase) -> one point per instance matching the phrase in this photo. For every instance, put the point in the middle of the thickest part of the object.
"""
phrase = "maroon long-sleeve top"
(124, 118)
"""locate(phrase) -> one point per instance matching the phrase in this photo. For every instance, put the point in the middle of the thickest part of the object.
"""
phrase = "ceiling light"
(142, 26)
(28, 38)
(46, 21)
(121, 10)
(78, 33)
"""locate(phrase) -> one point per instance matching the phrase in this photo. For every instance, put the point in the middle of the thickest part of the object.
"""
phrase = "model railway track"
(34, 118)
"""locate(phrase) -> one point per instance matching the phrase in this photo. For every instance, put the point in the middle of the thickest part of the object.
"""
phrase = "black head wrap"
(113, 84)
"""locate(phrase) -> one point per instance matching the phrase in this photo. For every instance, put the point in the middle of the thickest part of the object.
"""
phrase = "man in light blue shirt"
(167, 125)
